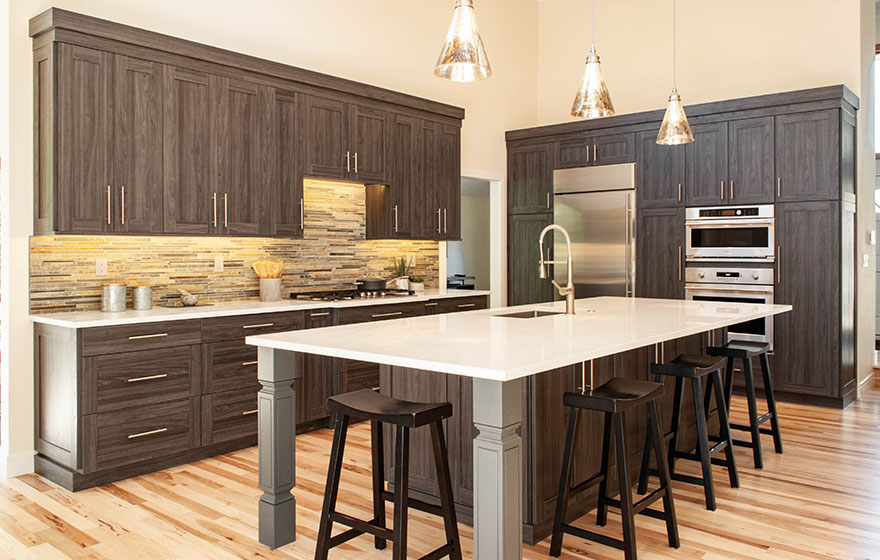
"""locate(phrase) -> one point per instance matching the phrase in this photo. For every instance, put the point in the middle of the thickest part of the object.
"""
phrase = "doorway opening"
(468, 264)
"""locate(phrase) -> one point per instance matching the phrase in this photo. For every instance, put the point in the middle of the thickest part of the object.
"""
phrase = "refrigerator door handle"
(628, 278)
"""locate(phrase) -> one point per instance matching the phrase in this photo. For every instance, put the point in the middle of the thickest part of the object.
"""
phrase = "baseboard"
(869, 381)
(17, 464)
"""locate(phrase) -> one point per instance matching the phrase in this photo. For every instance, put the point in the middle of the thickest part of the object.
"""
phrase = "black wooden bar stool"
(613, 398)
(405, 415)
(745, 351)
(695, 368)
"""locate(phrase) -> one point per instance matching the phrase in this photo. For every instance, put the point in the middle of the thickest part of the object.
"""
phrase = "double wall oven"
(730, 255)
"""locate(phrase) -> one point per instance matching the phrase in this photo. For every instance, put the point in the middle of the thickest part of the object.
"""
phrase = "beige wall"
(390, 44)
(866, 277)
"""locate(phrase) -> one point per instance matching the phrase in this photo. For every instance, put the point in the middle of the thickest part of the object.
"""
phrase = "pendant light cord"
(674, 85)
(593, 45)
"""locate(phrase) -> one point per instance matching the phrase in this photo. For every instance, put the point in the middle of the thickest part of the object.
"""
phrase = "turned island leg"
(276, 371)
(498, 475)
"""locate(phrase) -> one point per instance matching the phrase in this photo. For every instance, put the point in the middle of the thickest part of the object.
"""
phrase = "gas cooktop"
(339, 295)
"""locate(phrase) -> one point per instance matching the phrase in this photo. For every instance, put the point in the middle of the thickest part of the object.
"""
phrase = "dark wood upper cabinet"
(808, 154)
(325, 139)
(369, 129)
(660, 173)
(524, 285)
(707, 156)
(137, 146)
(596, 150)
(240, 204)
(660, 253)
(283, 162)
(189, 148)
(84, 138)
(449, 186)
(530, 179)
(751, 167)
(405, 169)
(808, 277)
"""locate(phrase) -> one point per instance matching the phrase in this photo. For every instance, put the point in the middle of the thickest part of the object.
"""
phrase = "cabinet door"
(807, 339)
(427, 216)
(751, 161)
(660, 173)
(282, 149)
(405, 178)
(573, 153)
(325, 139)
(369, 143)
(660, 253)
(614, 148)
(317, 372)
(449, 183)
(530, 179)
(707, 182)
(189, 148)
(84, 140)
(808, 156)
(137, 146)
(239, 181)
(523, 284)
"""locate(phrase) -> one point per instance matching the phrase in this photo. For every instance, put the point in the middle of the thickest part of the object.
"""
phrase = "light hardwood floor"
(821, 499)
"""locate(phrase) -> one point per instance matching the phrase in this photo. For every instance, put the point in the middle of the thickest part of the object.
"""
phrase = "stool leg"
(753, 414)
(771, 403)
(378, 479)
(707, 398)
(728, 384)
(703, 444)
(676, 416)
(645, 472)
(715, 379)
(401, 492)
(626, 505)
(444, 479)
(332, 489)
(564, 478)
(668, 503)
(602, 506)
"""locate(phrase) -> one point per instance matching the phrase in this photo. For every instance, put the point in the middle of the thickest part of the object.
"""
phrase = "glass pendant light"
(675, 128)
(592, 99)
(463, 58)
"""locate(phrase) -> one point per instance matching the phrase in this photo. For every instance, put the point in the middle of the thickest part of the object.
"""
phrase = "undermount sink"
(532, 314)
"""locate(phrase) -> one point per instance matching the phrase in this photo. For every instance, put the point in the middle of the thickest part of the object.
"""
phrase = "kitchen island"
(497, 349)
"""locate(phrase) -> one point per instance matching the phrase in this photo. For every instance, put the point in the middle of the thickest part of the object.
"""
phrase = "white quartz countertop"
(483, 344)
(86, 319)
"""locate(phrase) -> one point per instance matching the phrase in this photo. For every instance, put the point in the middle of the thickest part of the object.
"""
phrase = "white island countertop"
(485, 345)
(86, 319)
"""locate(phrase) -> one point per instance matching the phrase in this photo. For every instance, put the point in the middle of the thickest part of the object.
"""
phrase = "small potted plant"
(401, 268)
(417, 283)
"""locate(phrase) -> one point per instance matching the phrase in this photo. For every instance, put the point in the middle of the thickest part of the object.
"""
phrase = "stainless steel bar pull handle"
(258, 326)
(444, 221)
(779, 186)
(347, 161)
(380, 315)
(355, 162)
(108, 204)
(225, 211)
(466, 305)
(146, 378)
(731, 190)
(778, 264)
(588, 152)
(679, 262)
(595, 154)
(324, 314)
(722, 190)
(679, 192)
(143, 336)
(150, 433)
(251, 363)
(433, 304)
(123, 205)
(548, 200)
(214, 203)
(438, 221)
(249, 412)
(395, 219)
(302, 214)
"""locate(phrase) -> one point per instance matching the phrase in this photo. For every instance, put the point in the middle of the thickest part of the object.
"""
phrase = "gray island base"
(505, 377)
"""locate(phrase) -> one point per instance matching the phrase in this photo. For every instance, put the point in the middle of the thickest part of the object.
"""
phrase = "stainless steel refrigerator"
(596, 205)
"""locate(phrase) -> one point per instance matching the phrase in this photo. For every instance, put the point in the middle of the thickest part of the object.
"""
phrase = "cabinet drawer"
(143, 336)
(229, 416)
(239, 326)
(117, 381)
(453, 305)
(355, 375)
(121, 438)
(229, 365)
(367, 313)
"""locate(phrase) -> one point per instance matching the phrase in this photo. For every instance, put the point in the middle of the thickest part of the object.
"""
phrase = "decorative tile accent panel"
(332, 254)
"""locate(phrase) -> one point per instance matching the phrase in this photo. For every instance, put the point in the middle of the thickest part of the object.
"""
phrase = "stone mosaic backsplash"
(332, 254)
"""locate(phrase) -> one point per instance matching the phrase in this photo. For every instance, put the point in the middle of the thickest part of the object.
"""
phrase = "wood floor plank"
(818, 501)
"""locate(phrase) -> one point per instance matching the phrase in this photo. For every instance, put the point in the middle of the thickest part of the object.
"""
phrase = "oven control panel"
(729, 275)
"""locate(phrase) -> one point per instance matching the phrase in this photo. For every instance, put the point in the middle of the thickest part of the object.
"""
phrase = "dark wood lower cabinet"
(524, 285)
(660, 253)
(543, 431)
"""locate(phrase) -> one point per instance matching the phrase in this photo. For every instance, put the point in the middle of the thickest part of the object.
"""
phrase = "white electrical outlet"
(872, 237)
(865, 260)
(100, 267)
(218, 263)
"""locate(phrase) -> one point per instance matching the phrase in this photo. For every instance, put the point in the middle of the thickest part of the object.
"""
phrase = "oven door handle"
(696, 288)
(744, 223)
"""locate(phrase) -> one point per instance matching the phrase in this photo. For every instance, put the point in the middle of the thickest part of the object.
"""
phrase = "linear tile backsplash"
(332, 254)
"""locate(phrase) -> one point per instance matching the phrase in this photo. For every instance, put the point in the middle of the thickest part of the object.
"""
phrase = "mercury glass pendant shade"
(675, 128)
(463, 58)
(592, 100)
